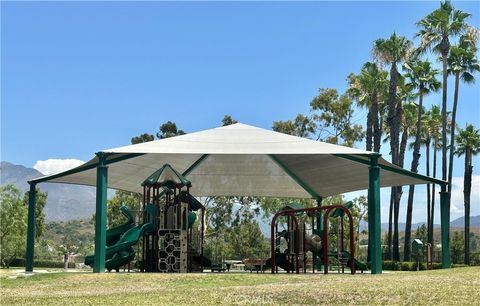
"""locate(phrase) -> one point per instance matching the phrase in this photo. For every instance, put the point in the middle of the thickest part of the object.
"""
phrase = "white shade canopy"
(242, 160)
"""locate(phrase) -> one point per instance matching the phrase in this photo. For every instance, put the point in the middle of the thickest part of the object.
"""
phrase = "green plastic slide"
(117, 254)
(120, 259)
(115, 233)
(358, 264)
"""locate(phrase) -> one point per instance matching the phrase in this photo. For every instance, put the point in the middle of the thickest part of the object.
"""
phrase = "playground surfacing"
(440, 287)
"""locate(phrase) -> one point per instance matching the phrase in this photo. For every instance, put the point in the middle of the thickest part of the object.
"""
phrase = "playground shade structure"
(243, 160)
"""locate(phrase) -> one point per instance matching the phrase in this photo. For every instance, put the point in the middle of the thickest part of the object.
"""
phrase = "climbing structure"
(298, 242)
(176, 244)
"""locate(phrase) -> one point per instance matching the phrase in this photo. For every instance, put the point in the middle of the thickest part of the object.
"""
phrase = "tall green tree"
(432, 134)
(122, 198)
(301, 126)
(457, 244)
(228, 120)
(359, 214)
(435, 31)
(422, 77)
(224, 215)
(41, 200)
(462, 64)
(169, 129)
(421, 233)
(142, 138)
(435, 123)
(246, 240)
(407, 110)
(468, 144)
(333, 115)
(133, 200)
(369, 89)
(270, 206)
(407, 128)
(393, 51)
(13, 229)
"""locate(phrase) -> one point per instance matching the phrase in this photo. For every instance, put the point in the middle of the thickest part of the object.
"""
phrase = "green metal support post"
(374, 226)
(445, 226)
(101, 214)
(31, 228)
(320, 214)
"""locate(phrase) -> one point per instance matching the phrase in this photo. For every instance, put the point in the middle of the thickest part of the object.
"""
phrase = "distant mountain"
(460, 222)
(64, 202)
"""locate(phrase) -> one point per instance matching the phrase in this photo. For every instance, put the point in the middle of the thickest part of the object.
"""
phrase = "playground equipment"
(114, 234)
(299, 243)
(175, 245)
(121, 251)
(170, 241)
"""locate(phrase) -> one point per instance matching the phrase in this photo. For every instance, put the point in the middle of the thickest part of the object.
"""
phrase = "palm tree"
(462, 63)
(426, 140)
(422, 77)
(433, 120)
(435, 32)
(408, 113)
(392, 51)
(369, 89)
(468, 144)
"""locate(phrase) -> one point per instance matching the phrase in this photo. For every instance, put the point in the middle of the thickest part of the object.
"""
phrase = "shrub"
(406, 266)
(459, 265)
(391, 265)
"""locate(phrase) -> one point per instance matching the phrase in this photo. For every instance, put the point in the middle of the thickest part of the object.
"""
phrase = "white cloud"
(457, 205)
(51, 166)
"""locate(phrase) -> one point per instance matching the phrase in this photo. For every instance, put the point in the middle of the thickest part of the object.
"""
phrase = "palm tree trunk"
(452, 133)
(414, 168)
(396, 209)
(432, 210)
(445, 50)
(369, 139)
(380, 128)
(408, 224)
(377, 133)
(427, 155)
(403, 143)
(390, 220)
(398, 195)
(467, 188)
(392, 119)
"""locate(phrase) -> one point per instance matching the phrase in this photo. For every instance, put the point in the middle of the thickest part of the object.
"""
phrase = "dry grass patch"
(440, 287)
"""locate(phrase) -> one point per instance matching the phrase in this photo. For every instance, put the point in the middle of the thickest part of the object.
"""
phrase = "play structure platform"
(299, 245)
(170, 238)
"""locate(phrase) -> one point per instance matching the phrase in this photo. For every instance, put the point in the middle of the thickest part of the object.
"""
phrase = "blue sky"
(84, 76)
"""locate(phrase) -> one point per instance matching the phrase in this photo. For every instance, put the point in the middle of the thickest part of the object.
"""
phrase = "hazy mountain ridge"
(459, 222)
(64, 202)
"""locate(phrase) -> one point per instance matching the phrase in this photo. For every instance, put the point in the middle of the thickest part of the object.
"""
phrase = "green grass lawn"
(455, 286)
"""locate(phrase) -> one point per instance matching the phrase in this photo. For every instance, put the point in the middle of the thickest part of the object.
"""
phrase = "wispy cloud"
(51, 166)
